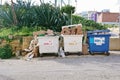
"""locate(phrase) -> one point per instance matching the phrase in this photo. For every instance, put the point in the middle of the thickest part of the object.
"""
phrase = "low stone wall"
(26, 42)
(18, 45)
(114, 44)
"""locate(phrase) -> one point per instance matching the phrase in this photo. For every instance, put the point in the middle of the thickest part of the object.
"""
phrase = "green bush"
(15, 31)
(87, 24)
(68, 9)
(5, 32)
(30, 15)
(6, 51)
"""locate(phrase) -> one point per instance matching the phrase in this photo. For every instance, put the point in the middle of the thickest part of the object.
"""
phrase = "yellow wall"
(115, 44)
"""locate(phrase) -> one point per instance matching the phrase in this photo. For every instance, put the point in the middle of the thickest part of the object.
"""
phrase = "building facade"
(88, 14)
(103, 17)
(108, 18)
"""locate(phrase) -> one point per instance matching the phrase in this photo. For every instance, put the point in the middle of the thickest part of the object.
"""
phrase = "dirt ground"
(73, 67)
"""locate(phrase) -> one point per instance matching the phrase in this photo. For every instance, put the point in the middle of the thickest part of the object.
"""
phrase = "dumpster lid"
(98, 31)
(71, 25)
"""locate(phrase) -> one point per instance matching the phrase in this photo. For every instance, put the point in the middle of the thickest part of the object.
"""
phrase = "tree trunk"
(13, 12)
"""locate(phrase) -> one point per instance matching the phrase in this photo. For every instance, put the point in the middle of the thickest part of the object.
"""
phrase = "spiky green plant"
(6, 15)
(31, 15)
(50, 17)
(23, 13)
(6, 51)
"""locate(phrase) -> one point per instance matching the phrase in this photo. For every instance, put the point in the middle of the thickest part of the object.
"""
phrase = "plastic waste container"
(98, 41)
(48, 44)
(72, 43)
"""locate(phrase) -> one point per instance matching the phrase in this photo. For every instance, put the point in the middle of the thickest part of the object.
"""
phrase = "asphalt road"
(73, 67)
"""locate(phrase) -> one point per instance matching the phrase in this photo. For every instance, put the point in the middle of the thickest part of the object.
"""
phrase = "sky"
(88, 5)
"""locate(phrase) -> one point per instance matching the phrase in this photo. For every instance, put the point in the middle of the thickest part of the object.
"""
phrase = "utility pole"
(119, 20)
(76, 5)
(0, 2)
(61, 3)
(55, 3)
(118, 3)
(68, 2)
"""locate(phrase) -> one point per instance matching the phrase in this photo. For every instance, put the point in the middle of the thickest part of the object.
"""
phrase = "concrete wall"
(114, 44)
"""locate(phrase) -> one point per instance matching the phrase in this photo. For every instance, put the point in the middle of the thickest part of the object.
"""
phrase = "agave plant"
(50, 16)
(24, 13)
(31, 15)
(6, 15)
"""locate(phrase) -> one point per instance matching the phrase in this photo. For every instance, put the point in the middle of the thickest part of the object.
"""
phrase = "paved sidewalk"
(114, 52)
(73, 67)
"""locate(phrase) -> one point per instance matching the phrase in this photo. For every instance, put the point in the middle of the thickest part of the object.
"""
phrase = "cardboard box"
(85, 49)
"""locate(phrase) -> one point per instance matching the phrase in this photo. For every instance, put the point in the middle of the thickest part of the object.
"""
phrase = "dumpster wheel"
(56, 55)
(41, 55)
(107, 53)
(80, 53)
(66, 53)
(91, 53)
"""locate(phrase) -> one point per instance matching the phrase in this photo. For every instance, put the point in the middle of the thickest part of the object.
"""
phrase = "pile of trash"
(44, 33)
(69, 32)
(75, 29)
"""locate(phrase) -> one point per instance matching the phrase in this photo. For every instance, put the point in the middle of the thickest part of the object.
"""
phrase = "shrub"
(68, 9)
(6, 51)
(87, 24)
(31, 15)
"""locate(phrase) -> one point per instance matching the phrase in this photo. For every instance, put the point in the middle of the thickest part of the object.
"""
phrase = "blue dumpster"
(98, 41)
